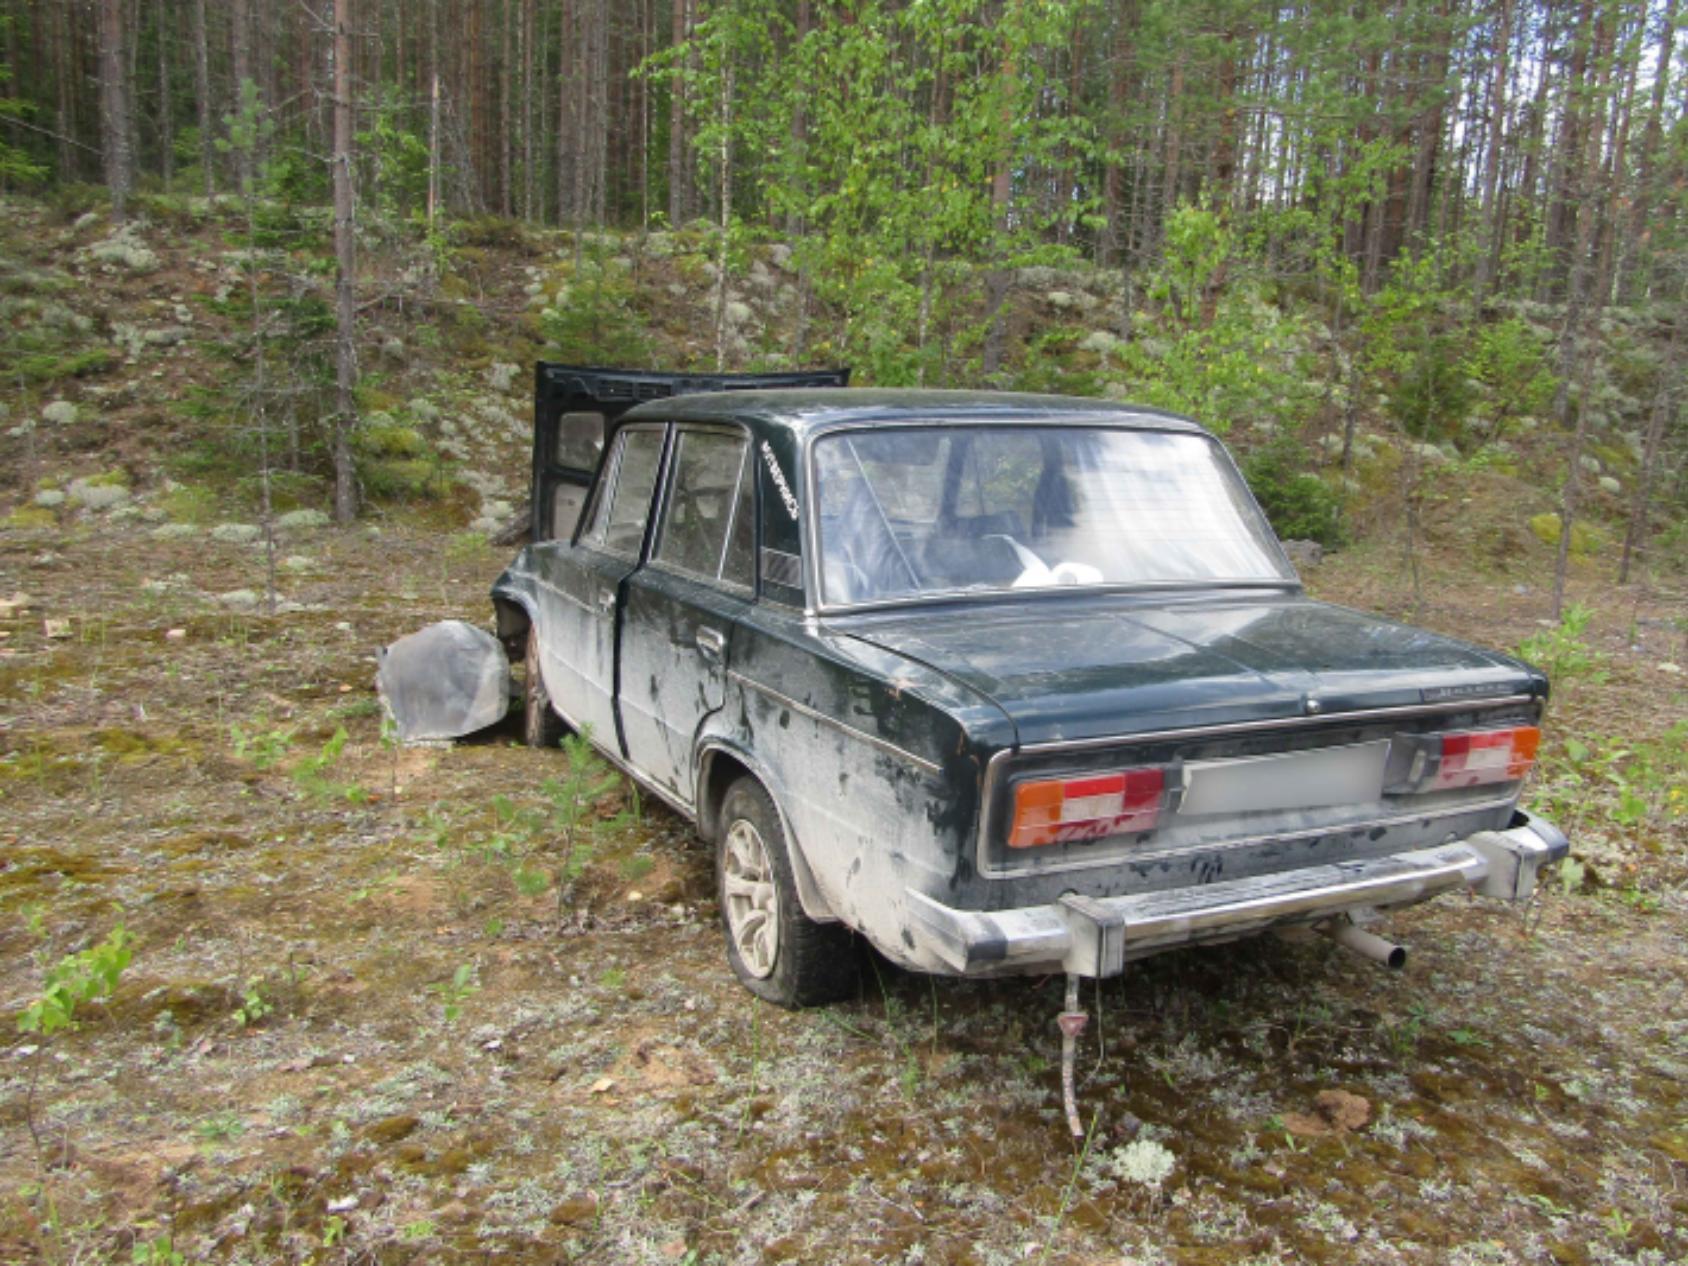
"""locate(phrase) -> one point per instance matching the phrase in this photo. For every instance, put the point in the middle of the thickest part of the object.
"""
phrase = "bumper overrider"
(1097, 936)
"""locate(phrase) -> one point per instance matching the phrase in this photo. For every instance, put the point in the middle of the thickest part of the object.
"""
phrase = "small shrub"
(1299, 504)
(1561, 652)
(90, 975)
(1432, 397)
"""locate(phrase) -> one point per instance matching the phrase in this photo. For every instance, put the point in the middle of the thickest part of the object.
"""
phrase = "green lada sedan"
(998, 683)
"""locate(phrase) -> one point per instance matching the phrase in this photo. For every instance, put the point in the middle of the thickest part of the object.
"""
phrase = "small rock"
(502, 376)
(1305, 553)
(1672, 669)
(345, 1204)
(235, 533)
(19, 601)
(1334, 1112)
(603, 1085)
(239, 599)
(299, 520)
(59, 413)
(55, 629)
(175, 635)
(92, 496)
(1431, 454)
(1101, 342)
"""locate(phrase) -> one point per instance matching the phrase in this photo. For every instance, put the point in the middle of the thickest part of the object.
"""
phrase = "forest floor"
(347, 1036)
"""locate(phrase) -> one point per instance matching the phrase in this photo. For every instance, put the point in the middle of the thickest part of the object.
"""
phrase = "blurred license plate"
(1293, 780)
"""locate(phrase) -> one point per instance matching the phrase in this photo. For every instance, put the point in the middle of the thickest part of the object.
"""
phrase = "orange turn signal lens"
(1062, 810)
(1478, 757)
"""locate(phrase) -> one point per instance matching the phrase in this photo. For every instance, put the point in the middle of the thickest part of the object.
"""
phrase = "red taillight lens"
(1058, 810)
(1476, 757)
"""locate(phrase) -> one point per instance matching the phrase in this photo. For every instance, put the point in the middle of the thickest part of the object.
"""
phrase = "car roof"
(804, 411)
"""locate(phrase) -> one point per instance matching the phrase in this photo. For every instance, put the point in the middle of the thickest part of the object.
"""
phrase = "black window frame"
(659, 522)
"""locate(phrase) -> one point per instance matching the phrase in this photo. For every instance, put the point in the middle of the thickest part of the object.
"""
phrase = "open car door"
(572, 406)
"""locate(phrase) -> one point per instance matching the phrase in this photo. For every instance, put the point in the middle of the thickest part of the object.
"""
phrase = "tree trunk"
(118, 156)
(1581, 313)
(1116, 229)
(166, 123)
(528, 212)
(241, 44)
(726, 160)
(1639, 230)
(1663, 415)
(506, 122)
(345, 263)
(1488, 260)
(678, 185)
(202, 94)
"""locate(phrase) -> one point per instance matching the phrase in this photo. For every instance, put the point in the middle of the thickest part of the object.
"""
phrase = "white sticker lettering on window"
(779, 480)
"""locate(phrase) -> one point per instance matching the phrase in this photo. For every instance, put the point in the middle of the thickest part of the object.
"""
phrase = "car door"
(581, 598)
(682, 606)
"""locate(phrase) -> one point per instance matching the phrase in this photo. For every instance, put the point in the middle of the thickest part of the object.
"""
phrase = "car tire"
(541, 726)
(777, 952)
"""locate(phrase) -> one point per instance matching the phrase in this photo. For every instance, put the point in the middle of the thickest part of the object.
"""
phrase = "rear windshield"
(913, 511)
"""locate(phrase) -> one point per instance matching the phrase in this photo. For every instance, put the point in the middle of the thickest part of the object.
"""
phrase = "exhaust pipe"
(1362, 942)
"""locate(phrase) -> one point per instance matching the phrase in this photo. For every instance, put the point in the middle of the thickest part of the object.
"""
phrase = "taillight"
(1475, 757)
(1460, 758)
(1058, 810)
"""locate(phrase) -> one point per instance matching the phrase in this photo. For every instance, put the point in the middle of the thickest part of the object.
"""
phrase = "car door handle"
(711, 642)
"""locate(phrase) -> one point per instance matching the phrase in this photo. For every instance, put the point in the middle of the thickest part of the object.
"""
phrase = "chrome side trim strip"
(814, 714)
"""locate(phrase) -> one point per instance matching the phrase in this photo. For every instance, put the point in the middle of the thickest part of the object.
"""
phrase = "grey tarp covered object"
(444, 681)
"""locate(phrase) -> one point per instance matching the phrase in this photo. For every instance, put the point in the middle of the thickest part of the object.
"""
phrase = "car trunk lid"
(1102, 666)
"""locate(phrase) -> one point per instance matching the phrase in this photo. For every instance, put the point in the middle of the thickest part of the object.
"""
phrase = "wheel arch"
(515, 618)
(719, 765)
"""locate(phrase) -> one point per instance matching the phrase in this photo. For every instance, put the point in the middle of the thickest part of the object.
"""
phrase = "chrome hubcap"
(753, 906)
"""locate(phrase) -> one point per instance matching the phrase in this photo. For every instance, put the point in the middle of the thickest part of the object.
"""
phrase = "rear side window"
(619, 518)
(708, 473)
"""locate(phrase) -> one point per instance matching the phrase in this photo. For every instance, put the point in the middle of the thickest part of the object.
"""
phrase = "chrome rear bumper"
(1097, 936)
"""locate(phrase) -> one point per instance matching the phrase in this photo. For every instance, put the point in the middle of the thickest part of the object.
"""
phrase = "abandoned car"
(1002, 683)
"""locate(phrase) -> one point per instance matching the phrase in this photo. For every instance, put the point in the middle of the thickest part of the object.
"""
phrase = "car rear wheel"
(541, 726)
(776, 951)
